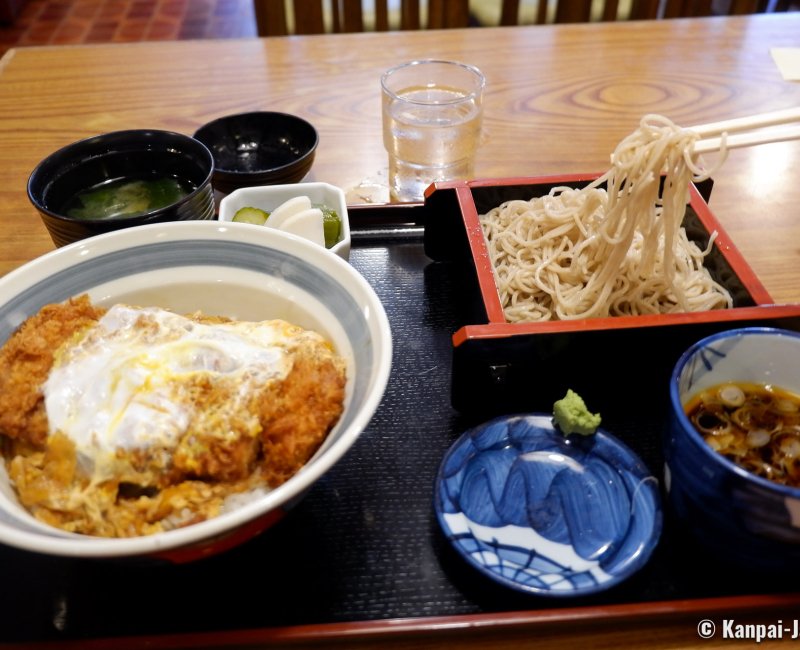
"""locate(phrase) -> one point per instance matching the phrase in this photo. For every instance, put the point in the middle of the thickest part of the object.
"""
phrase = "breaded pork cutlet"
(299, 412)
(25, 361)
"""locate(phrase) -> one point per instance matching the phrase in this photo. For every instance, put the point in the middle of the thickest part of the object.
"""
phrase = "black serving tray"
(364, 545)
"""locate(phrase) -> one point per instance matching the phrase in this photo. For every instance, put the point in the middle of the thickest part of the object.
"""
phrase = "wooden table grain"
(558, 100)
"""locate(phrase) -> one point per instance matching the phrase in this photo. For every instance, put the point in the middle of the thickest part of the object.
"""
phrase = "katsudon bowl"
(220, 269)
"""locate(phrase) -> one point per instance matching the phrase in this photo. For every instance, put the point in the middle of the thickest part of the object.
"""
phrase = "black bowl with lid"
(122, 179)
(259, 148)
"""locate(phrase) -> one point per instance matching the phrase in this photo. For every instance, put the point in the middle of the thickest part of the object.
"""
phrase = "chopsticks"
(756, 125)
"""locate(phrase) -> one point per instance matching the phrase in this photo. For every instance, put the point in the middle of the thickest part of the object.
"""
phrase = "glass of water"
(432, 112)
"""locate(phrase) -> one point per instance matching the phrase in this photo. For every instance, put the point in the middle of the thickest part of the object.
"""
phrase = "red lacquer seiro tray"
(524, 365)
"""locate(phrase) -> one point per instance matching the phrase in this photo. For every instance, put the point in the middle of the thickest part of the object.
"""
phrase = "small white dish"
(269, 197)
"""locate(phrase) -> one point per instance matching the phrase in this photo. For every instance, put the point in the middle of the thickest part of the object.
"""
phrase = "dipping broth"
(754, 425)
(125, 197)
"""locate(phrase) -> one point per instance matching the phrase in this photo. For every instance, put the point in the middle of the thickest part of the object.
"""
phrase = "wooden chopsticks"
(756, 127)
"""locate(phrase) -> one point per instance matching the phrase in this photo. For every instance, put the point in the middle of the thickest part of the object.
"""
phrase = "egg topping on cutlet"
(141, 379)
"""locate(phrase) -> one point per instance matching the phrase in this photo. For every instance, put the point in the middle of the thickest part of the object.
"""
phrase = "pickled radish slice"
(307, 224)
(288, 209)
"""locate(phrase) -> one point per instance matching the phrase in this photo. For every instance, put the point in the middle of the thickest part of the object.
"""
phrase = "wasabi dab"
(571, 415)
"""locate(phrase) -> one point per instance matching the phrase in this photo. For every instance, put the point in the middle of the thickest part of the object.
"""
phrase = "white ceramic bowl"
(227, 269)
(269, 197)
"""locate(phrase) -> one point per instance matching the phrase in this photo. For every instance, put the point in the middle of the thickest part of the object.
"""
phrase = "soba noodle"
(590, 252)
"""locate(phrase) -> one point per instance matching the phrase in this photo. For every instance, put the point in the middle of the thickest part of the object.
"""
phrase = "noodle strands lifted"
(594, 252)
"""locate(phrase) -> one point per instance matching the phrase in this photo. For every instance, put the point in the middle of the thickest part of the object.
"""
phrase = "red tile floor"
(46, 22)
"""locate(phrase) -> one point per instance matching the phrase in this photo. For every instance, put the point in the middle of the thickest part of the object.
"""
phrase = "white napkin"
(788, 61)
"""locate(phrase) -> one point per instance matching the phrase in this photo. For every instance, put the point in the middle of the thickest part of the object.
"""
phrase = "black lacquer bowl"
(112, 158)
(259, 148)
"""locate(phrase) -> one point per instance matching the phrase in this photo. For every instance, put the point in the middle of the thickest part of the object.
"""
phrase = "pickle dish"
(266, 199)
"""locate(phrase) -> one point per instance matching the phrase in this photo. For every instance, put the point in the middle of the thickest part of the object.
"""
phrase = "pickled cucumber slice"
(332, 225)
(251, 215)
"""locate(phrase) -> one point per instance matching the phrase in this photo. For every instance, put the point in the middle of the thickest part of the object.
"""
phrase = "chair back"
(566, 11)
(339, 16)
(579, 11)
(688, 8)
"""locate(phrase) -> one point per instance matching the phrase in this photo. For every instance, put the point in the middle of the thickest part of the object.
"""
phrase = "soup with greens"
(126, 197)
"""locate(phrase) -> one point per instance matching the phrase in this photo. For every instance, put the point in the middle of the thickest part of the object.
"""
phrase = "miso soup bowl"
(117, 156)
(743, 518)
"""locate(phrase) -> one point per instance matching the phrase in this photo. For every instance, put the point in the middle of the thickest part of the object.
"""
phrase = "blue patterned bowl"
(544, 513)
(743, 518)
(221, 269)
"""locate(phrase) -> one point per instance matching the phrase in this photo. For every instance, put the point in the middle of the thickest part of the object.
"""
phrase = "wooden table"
(558, 100)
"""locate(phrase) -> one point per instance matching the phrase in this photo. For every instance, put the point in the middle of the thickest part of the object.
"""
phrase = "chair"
(565, 11)
(318, 16)
(579, 11)
(687, 8)
(338, 16)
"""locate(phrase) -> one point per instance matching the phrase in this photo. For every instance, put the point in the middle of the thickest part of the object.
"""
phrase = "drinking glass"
(432, 112)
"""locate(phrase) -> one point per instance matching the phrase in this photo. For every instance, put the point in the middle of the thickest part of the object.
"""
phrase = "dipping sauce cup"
(742, 517)
(432, 113)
